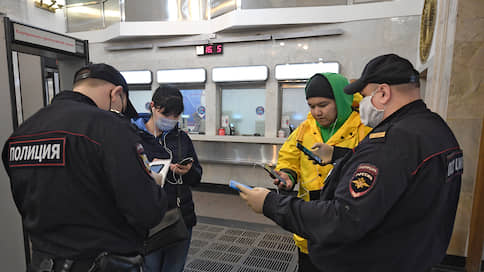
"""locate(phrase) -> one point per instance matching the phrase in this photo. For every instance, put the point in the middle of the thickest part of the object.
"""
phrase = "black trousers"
(304, 263)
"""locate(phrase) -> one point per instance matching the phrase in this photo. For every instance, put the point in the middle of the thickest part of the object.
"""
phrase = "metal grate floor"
(216, 248)
(238, 247)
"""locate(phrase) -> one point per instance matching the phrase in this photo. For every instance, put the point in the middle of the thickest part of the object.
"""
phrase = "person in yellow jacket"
(331, 120)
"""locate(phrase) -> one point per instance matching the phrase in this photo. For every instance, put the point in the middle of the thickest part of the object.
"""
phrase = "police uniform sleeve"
(368, 185)
(5, 165)
(339, 152)
(5, 156)
(139, 198)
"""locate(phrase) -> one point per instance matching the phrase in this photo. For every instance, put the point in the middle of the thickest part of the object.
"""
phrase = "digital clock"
(210, 49)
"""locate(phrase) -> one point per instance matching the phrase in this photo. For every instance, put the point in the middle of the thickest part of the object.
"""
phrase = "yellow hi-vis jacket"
(311, 177)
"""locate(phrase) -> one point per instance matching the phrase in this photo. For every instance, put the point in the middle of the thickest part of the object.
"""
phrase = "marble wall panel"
(465, 109)
(467, 85)
(468, 133)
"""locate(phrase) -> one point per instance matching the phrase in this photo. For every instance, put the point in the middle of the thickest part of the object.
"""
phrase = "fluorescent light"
(137, 77)
(240, 73)
(304, 70)
(193, 75)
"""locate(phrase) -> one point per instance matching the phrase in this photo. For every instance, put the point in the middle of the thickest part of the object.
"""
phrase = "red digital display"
(213, 49)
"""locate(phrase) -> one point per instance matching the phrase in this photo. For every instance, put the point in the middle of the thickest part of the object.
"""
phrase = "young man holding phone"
(164, 140)
(331, 120)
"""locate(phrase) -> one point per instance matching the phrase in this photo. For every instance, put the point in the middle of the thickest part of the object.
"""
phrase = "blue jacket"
(181, 146)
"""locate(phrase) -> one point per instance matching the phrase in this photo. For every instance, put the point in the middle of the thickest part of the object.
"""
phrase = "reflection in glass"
(294, 108)
(245, 109)
(193, 117)
(140, 100)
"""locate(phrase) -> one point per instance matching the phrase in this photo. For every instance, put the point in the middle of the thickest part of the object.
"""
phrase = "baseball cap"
(110, 74)
(390, 69)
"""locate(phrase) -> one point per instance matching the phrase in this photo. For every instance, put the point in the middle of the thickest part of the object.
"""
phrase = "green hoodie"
(343, 104)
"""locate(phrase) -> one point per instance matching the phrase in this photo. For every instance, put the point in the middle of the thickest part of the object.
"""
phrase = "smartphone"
(233, 184)
(186, 161)
(310, 154)
(272, 173)
(156, 166)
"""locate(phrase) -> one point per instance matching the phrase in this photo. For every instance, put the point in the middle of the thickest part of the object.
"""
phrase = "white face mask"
(165, 124)
(370, 116)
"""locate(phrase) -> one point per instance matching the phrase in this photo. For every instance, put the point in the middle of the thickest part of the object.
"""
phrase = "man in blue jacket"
(163, 139)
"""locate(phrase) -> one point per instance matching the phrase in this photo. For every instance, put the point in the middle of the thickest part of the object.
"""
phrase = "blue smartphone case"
(233, 184)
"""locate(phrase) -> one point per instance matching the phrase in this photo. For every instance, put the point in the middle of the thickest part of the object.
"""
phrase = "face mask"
(370, 116)
(165, 124)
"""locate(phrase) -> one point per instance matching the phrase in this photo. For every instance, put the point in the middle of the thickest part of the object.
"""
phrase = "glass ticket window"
(191, 82)
(141, 100)
(243, 111)
(294, 107)
(139, 83)
(193, 116)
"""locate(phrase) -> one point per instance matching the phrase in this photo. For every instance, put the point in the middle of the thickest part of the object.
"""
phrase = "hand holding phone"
(156, 167)
(159, 169)
(186, 161)
(272, 173)
(310, 154)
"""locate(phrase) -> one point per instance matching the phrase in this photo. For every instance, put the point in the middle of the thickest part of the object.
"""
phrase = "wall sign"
(44, 38)
(201, 110)
(210, 49)
(259, 110)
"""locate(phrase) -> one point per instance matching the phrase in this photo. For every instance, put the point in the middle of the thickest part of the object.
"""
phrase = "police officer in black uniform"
(79, 180)
(390, 204)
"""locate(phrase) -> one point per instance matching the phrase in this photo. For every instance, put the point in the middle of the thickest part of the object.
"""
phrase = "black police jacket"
(79, 182)
(389, 205)
(180, 146)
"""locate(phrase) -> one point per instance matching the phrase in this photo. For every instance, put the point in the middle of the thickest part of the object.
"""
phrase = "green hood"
(343, 104)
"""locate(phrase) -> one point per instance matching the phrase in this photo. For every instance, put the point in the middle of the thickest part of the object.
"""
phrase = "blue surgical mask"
(165, 124)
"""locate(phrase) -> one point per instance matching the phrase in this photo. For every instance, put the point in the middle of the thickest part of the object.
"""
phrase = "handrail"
(234, 162)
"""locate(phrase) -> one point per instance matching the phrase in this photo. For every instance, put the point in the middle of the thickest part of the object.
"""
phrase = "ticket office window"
(243, 111)
(193, 116)
(139, 84)
(294, 108)
(140, 97)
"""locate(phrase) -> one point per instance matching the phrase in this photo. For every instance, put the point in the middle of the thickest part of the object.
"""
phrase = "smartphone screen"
(269, 170)
(156, 167)
(273, 173)
(310, 154)
(186, 161)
